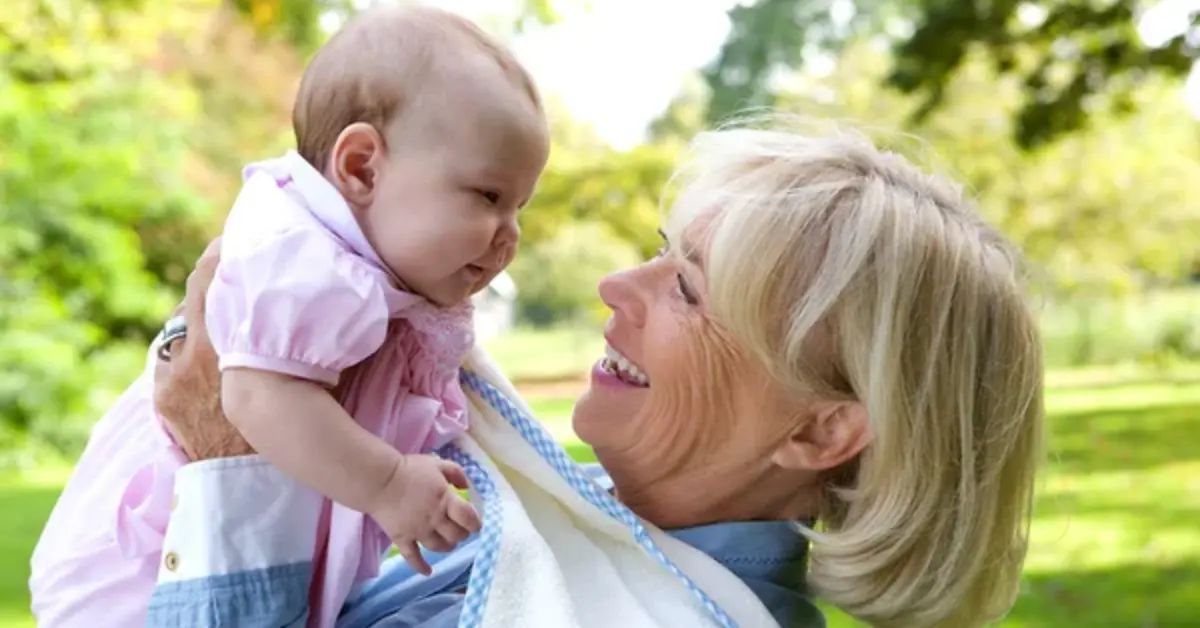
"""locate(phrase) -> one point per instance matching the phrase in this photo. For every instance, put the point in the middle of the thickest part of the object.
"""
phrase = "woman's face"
(654, 308)
(674, 402)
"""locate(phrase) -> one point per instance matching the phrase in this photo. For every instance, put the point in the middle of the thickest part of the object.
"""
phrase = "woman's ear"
(835, 432)
(356, 160)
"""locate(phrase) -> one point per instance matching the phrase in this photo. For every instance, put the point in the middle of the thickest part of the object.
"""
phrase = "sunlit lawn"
(546, 354)
(1116, 538)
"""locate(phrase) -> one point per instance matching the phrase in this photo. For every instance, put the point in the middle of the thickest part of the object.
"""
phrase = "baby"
(340, 308)
(348, 266)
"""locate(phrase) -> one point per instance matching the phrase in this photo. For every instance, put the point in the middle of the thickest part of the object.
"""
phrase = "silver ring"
(174, 329)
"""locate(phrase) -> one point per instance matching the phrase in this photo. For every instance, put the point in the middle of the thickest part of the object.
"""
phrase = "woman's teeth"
(625, 371)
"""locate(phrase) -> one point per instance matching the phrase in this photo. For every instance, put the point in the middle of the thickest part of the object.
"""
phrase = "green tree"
(684, 116)
(619, 188)
(588, 180)
(557, 277)
(1067, 55)
(85, 184)
(296, 22)
(1100, 210)
(125, 125)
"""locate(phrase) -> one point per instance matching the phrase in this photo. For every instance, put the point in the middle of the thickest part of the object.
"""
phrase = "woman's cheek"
(688, 413)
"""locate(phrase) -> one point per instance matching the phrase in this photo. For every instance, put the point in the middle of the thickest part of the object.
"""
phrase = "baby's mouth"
(623, 369)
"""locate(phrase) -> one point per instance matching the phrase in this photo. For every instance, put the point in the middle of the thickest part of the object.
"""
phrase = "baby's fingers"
(462, 513)
(435, 541)
(453, 533)
(412, 555)
(454, 474)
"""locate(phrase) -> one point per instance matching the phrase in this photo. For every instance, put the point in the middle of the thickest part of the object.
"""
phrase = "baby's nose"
(509, 233)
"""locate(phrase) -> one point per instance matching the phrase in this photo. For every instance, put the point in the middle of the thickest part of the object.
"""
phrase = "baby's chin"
(448, 299)
(449, 292)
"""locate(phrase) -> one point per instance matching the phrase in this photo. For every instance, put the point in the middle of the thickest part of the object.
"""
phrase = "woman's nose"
(622, 293)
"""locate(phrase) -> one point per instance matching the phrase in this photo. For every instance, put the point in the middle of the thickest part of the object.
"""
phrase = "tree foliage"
(1097, 211)
(296, 22)
(557, 276)
(125, 127)
(92, 201)
(1064, 52)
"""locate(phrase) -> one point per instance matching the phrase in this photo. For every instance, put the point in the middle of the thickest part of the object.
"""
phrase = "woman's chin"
(607, 403)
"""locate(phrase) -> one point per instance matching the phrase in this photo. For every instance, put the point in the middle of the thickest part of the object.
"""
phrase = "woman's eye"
(685, 291)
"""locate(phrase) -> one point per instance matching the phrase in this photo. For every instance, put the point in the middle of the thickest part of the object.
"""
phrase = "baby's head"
(434, 135)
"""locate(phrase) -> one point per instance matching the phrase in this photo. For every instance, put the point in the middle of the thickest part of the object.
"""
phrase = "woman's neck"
(702, 494)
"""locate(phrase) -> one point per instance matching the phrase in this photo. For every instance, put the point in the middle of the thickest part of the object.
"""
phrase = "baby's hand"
(419, 505)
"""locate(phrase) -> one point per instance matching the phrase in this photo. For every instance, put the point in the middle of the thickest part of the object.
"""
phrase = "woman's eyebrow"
(690, 253)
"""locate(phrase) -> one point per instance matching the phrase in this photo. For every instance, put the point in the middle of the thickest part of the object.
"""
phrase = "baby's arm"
(301, 429)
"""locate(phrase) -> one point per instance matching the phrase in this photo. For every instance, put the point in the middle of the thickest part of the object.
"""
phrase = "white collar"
(328, 206)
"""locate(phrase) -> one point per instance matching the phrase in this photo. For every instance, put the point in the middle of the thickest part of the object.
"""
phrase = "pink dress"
(299, 291)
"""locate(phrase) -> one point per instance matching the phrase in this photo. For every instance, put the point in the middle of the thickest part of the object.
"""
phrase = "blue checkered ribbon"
(568, 470)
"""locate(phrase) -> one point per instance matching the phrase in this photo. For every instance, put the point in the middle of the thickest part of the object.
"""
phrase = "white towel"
(558, 551)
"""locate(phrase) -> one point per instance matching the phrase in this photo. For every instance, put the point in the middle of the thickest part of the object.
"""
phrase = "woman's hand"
(187, 387)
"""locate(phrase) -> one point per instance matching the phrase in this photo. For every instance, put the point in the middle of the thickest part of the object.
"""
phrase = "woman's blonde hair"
(824, 240)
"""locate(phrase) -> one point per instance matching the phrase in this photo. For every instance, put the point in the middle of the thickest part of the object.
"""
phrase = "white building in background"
(495, 307)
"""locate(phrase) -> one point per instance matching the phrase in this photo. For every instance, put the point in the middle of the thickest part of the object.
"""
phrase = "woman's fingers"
(162, 401)
(187, 388)
(198, 282)
(192, 376)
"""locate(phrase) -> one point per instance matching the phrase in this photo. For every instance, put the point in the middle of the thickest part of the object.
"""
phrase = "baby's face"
(444, 214)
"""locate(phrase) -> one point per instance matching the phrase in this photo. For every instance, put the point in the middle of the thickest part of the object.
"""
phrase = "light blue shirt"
(249, 586)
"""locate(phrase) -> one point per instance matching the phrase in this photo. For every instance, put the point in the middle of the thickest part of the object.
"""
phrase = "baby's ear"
(357, 156)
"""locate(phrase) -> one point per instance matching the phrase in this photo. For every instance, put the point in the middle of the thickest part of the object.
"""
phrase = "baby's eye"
(490, 196)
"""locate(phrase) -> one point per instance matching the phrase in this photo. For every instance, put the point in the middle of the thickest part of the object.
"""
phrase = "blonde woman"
(828, 381)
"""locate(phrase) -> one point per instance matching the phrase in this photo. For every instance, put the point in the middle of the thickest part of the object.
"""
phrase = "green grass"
(25, 503)
(1116, 536)
(533, 354)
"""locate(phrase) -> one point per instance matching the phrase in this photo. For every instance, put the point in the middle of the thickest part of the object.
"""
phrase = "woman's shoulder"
(770, 557)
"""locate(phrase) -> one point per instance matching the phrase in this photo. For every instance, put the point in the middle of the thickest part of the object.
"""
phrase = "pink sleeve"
(295, 302)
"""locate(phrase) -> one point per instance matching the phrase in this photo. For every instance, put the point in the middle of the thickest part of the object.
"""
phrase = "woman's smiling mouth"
(625, 370)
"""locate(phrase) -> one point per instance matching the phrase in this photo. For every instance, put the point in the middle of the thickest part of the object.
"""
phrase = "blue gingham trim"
(489, 536)
(575, 476)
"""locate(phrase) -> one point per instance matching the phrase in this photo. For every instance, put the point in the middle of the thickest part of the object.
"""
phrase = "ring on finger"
(174, 329)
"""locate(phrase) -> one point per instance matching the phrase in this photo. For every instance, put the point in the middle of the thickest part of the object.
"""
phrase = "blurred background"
(124, 125)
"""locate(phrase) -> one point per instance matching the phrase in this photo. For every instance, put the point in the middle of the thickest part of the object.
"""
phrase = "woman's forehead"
(690, 239)
(690, 224)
